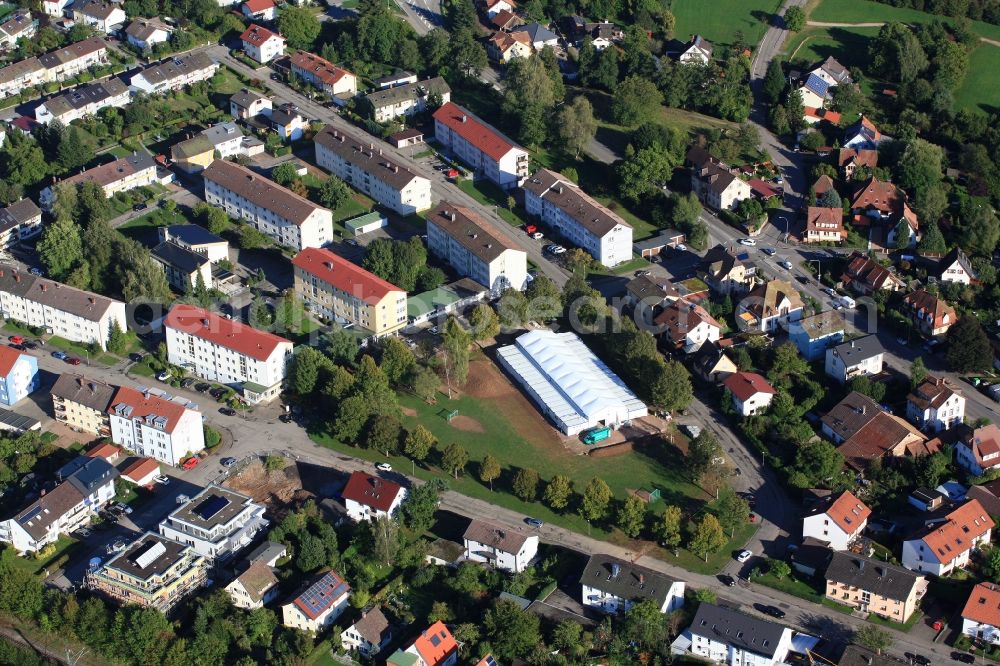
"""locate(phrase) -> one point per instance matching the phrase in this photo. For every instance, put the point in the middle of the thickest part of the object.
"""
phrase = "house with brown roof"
(712, 364)
(865, 432)
(935, 405)
(714, 182)
(105, 17)
(370, 497)
(334, 81)
(751, 392)
(256, 587)
(873, 586)
(866, 276)
(369, 635)
(502, 47)
(124, 174)
(979, 450)
(506, 20)
(823, 185)
(506, 548)
(686, 326)
(878, 208)
(837, 521)
(930, 314)
(726, 272)
(849, 159)
(145, 33)
(259, 10)
(105, 450)
(649, 292)
(824, 225)
(981, 614)
(946, 544)
(768, 306)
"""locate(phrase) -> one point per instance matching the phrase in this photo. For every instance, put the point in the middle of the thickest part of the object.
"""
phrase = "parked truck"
(595, 435)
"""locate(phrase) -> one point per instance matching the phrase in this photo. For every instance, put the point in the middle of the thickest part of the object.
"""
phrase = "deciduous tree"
(969, 348)
(454, 458)
(489, 469)
(558, 492)
(596, 497)
(632, 516)
(667, 527)
(419, 442)
(525, 484)
(299, 26)
(576, 125)
(708, 537)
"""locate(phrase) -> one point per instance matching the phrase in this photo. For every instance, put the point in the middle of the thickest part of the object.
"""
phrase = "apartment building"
(174, 73)
(612, 585)
(155, 427)
(227, 351)
(364, 167)
(82, 101)
(935, 405)
(947, 543)
(153, 572)
(58, 65)
(407, 99)
(340, 290)
(122, 175)
(318, 605)
(931, 314)
(837, 521)
(104, 17)
(505, 548)
(874, 587)
(578, 217)
(19, 221)
(261, 44)
(254, 588)
(480, 145)
(291, 220)
(145, 33)
(196, 238)
(332, 80)
(471, 247)
(854, 358)
(18, 375)
(183, 267)
(686, 326)
(19, 25)
(727, 636)
(83, 403)
(71, 313)
(217, 523)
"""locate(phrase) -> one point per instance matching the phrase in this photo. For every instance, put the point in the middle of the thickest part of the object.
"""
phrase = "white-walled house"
(261, 44)
(155, 427)
(254, 588)
(217, 522)
(480, 145)
(507, 548)
(947, 544)
(726, 636)
(612, 585)
(751, 392)
(838, 520)
(774, 304)
(979, 450)
(981, 615)
(854, 358)
(686, 326)
(935, 405)
(104, 17)
(370, 497)
(369, 635)
(318, 605)
(145, 33)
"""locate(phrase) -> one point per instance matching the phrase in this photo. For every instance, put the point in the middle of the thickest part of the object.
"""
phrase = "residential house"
(55, 7)
(256, 587)
(866, 276)
(603, 34)
(578, 217)
(712, 364)
(154, 426)
(850, 159)
(105, 17)
(370, 497)
(145, 33)
(261, 44)
(218, 141)
(850, 416)
(698, 51)
(490, 154)
(332, 80)
(18, 375)
(612, 585)
(538, 35)
(259, 10)
(217, 522)
(337, 289)
(473, 249)
(248, 104)
(183, 268)
(55, 66)
(947, 544)
(59, 309)
(363, 166)
(856, 655)
(398, 78)
(862, 135)
(227, 351)
(768, 306)
(83, 101)
(727, 636)
(153, 572)
(647, 293)
(369, 635)
(935, 405)
(824, 225)
(832, 72)
(979, 450)
(956, 267)
(728, 273)
(19, 221)
(932, 315)
(83, 403)
(318, 605)
(874, 587)
(288, 218)
(836, 521)
(268, 552)
(174, 73)
(122, 175)
(981, 614)
(815, 91)
(196, 238)
(288, 122)
(502, 47)
(142, 472)
(813, 116)
(823, 185)
(505, 548)
(407, 99)
(435, 646)
(714, 182)
(865, 433)
(494, 7)
(686, 326)
(855, 358)
(19, 25)
(988, 495)
(813, 335)
(751, 392)
(506, 20)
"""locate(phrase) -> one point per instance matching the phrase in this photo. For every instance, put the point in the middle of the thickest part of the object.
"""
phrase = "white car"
(747, 241)
(787, 265)
(829, 292)
(162, 479)
(744, 556)
(681, 248)
(383, 467)
(538, 235)
(558, 249)
(163, 376)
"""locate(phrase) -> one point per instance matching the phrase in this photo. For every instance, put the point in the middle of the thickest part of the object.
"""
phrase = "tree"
(896, 53)
(456, 348)
(642, 174)
(969, 348)
(932, 240)
(454, 458)
(525, 484)
(252, 238)
(918, 372)
(732, 511)
(117, 339)
(605, 71)
(385, 539)
(778, 568)
(214, 219)
(774, 82)
(635, 101)
(528, 97)
(596, 497)
(489, 470)
(299, 26)
(576, 125)
(73, 153)
(418, 443)
(285, 174)
(703, 451)
(420, 505)
(795, 18)
(632, 516)
(396, 360)
(304, 370)
(440, 612)
(333, 193)
(567, 636)
(817, 465)
(557, 492)
(670, 389)
(60, 249)
(544, 300)
(667, 527)
(645, 626)
(920, 165)
(830, 199)
(685, 209)
(485, 322)
(873, 638)
(513, 308)
(424, 383)
(512, 632)
(708, 537)
(22, 160)
(383, 433)
(980, 229)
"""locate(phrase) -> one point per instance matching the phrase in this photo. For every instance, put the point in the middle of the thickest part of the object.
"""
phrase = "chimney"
(45, 287)
(464, 118)
(450, 215)
(93, 301)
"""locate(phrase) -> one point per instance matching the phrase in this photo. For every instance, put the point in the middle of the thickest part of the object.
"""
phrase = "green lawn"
(979, 90)
(489, 194)
(157, 218)
(35, 566)
(791, 585)
(82, 351)
(848, 45)
(865, 11)
(719, 21)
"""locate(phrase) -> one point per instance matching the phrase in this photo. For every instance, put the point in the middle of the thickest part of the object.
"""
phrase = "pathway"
(828, 24)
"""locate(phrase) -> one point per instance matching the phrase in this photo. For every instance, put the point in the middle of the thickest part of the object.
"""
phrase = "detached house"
(506, 548)
(862, 135)
(259, 10)
(854, 358)
(979, 451)
(728, 273)
(247, 104)
(369, 635)
(935, 405)
(956, 267)
(145, 33)
(946, 545)
(104, 17)
(713, 181)
(849, 159)
(865, 432)
(726, 636)
(538, 35)
(824, 225)
(712, 364)
(261, 44)
(19, 25)
(866, 276)
(19, 221)
(931, 315)
(837, 521)
(503, 47)
(751, 392)
(435, 646)
(318, 605)
(494, 7)
(873, 586)
(981, 615)
(18, 375)
(334, 81)
(698, 51)
(768, 306)
(612, 585)
(814, 335)
(687, 326)
(254, 588)
(369, 497)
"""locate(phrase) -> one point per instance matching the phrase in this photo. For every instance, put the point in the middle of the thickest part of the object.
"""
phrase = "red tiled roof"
(344, 275)
(953, 537)
(822, 114)
(825, 219)
(371, 491)
(324, 70)
(503, 18)
(104, 450)
(8, 357)
(258, 5)
(435, 644)
(480, 134)
(983, 605)
(141, 468)
(255, 35)
(848, 512)
(880, 195)
(682, 317)
(762, 188)
(227, 333)
(936, 308)
(823, 185)
(745, 385)
(147, 404)
(863, 157)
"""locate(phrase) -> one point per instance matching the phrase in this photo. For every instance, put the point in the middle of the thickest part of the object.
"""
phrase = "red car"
(530, 229)
(17, 339)
(453, 173)
(191, 462)
(72, 360)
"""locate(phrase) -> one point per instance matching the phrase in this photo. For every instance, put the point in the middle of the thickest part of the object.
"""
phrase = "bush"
(212, 437)
(274, 463)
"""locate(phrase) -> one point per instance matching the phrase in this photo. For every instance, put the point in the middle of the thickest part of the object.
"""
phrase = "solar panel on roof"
(149, 555)
(212, 506)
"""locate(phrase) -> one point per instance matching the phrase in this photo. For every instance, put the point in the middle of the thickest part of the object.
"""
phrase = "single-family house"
(19, 25)
(506, 20)
(932, 315)
(837, 520)
(435, 646)
(145, 33)
(105, 17)
(712, 364)
(18, 375)
(865, 276)
(370, 497)
(259, 10)
(288, 122)
(19, 221)
(947, 544)
(494, 7)
(248, 104)
(506, 548)
(318, 605)
(751, 392)
(862, 135)
(832, 72)
(850, 159)
(261, 44)
(612, 585)
(865, 433)
(981, 614)
(332, 80)
(369, 635)
(406, 99)
(935, 405)
(726, 636)
(812, 336)
(979, 450)
(768, 306)
(815, 91)
(714, 182)
(824, 225)
(256, 587)
(698, 51)
(854, 358)
(502, 47)
(956, 267)
(538, 35)
(726, 272)
(874, 586)
(686, 326)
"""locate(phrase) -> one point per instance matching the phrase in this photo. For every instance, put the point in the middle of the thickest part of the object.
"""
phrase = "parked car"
(83, 533)
(16, 339)
(787, 265)
(681, 247)
(963, 657)
(747, 241)
(125, 508)
(73, 360)
(769, 251)
(37, 271)
(773, 611)
(188, 383)
(534, 522)
(116, 547)
(435, 330)
(16, 346)
(643, 273)
(530, 229)
(191, 462)
(918, 659)
(352, 242)
(163, 376)
(30, 345)
(162, 479)
(383, 467)
(202, 387)
(228, 411)
(538, 235)
(136, 357)
(744, 556)
(139, 206)
(227, 462)
(728, 581)
(217, 392)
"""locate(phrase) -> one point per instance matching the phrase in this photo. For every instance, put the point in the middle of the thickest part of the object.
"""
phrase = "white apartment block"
(466, 242)
(122, 175)
(854, 358)
(82, 101)
(490, 154)
(59, 65)
(155, 427)
(576, 216)
(612, 585)
(227, 351)
(727, 636)
(504, 548)
(364, 167)
(291, 220)
(174, 74)
(217, 523)
(262, 45)
(71, 313)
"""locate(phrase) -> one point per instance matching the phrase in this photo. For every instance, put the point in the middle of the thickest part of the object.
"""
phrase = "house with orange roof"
(154, 426)
(105, 450)
(824, 225)
(838, 520)
(18, 375)
(866, 276)
(491, 154)
(261, 44)
(506, 20)
(494, 7)
(862, 134)
(814, 115)
(936, 405)
(435, 646)
(981, 615)
(502, 47)
(849, 159)
(142, 472)
(946, 544)
(751, 392)
(930, 314)
(334, 81)
(260, 10)
(979, 450)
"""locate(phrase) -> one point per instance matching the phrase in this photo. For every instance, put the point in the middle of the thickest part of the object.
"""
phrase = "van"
(847, 302)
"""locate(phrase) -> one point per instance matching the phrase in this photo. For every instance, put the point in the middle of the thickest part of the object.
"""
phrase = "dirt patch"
(408, 411)
(276, 489)
(613, 450)
(467, 424)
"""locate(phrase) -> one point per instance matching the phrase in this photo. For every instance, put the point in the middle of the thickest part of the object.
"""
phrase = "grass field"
(979, 90)
(865, 11)
(719, 21)
(848, 45)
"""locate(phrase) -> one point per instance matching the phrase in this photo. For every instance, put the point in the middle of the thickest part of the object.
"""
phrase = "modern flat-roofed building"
(85, 100)
(574, 214)
(406, 99)
(227, 351)
(275, 211)
(196, 238)
(363, 166)
(612, 585)
(174, 73)
(338, 289)
(71, 313)
(122, 175)
(83, 403)
(217, 522)
(318, 605)
(468, 244)
(19, 221)
(334, 81)
(155, 427)
(480, 145)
